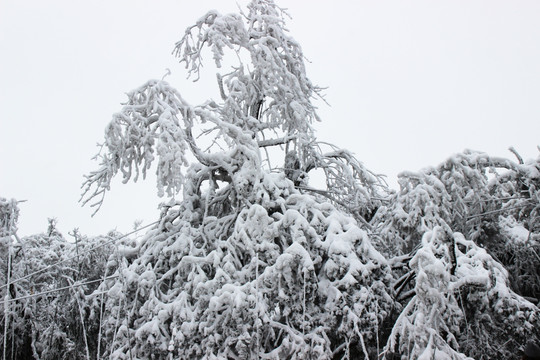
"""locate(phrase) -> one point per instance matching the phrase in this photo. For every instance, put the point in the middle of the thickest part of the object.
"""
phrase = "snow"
(515, 231)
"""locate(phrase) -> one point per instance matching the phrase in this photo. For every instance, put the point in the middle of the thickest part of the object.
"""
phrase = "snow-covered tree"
(492, 202)
(461, 299)
(12, 328)
(49, 306)
(58, 282)
(252, 262)
(266, 102)
(9, 215)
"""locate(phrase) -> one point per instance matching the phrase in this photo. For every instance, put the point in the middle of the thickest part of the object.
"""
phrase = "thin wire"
(81, 253)
(59, 289)
(527, 202)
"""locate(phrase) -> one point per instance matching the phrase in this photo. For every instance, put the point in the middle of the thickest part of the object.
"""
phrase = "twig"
(274, 142)
(514, 151)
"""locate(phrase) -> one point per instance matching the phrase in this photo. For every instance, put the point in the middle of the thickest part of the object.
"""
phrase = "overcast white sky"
(409, 84)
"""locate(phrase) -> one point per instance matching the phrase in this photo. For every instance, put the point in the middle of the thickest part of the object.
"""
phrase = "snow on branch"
(148, 125)
(9, 215)
(463, 193)
(460, 292)
(276, 93)
(156, 125)
(349, 184)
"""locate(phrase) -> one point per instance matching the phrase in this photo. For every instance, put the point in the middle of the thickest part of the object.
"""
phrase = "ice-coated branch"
(9, 215)
(274, 93)
(149, 126)
(275, 142)
(349, 183)
(155, 125)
